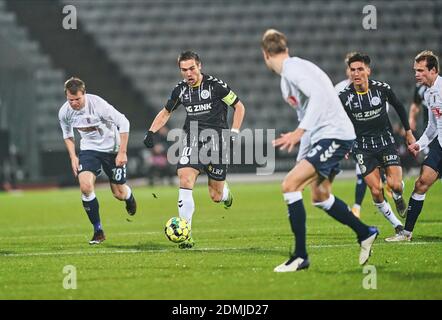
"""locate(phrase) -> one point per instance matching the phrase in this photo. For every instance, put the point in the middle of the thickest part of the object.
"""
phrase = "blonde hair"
(431, 59)
(274, 42)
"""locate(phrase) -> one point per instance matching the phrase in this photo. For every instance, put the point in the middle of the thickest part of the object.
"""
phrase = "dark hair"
(188, 55)
(274, 42)
(73, 85)
(359, 57)
(431, 59)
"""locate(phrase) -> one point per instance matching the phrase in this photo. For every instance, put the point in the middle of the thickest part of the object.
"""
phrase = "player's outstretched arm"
(160, 121)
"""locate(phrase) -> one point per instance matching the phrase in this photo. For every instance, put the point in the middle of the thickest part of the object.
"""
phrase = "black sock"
(340, 212)
(360, 189)
(414, 209)
(92, 210)
(131, 198)
(297, 217)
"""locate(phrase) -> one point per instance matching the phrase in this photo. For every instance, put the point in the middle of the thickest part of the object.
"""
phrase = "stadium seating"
(41, 94)
(144, 37)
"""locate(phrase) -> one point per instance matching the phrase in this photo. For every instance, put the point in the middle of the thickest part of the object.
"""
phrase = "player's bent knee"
(86, 188)
(287, 186)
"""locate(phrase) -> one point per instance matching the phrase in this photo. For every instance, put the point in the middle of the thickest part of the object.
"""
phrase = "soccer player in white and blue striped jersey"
(331, 137)
(104, 135)
(426, 67)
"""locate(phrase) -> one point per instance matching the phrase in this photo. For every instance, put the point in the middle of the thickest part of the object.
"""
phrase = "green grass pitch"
(42, 232)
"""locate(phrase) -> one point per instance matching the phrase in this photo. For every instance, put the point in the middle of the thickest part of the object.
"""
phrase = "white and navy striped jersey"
(98, 123)
(310, 91)
(369, 114)
(433, 99)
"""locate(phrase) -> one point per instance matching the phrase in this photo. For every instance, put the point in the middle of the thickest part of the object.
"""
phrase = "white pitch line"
(131, 251)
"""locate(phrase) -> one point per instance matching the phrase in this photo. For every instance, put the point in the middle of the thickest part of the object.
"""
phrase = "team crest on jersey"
(375, 101)
(205, 94)
(184, 160)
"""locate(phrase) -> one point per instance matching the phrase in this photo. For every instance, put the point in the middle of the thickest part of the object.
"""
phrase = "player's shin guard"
(385, 209)
(360, 189)
(186, 205)
(91, 206)
(415, 206)
(337, 209)
(297, 218)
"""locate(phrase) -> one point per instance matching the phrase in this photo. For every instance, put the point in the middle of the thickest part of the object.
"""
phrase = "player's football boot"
(293, 264)
(401, 206)
(98, 237)
(187, 244)
(131, 205)
(228, 203)
(366, 245)
(400, 237)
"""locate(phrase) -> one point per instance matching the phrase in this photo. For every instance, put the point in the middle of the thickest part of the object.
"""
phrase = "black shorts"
(434, 158)
(370, 160)
(93, 161)
(210, 157)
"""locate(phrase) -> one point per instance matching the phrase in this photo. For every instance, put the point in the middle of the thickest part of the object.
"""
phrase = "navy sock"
(131, 199)
(414, 209)
(360, 189)
(92, 210)
(339, 210)
(297, 217)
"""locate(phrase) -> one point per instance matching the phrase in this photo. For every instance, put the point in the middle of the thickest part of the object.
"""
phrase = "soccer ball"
(177, 230)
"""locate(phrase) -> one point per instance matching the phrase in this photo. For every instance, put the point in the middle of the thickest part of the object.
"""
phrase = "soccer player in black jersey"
(365, 101)
(206, 100)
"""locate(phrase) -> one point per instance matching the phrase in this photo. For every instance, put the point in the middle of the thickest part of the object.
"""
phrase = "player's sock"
(91, 206)
(385, 209)
(414, 209)
(337, 209)
(129, 192)
(297, 217)
(360, 189)
(225, 192)
(186, 205)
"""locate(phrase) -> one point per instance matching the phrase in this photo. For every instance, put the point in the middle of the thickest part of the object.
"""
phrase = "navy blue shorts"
(326, 154)
(93, 161)
(434, 158)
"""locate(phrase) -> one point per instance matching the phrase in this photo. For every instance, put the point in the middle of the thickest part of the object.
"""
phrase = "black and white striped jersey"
(207, 103)
(368, 113)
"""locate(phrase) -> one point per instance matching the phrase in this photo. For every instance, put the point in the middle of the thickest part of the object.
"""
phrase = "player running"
(312, 92)
(206, 100)
(365, 102)
(426, 67)
(104, 135)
